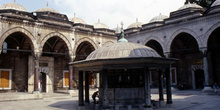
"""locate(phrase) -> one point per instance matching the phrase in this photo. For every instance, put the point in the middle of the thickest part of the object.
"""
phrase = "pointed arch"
(155, 38)
(108, 43)
(209, 32)
(156, 46)
(57, 34)
(24, 31)
(83, 40)
(179, 31)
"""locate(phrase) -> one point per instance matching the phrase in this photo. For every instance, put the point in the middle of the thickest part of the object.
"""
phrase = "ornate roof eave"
(138, 62)
(214, 9)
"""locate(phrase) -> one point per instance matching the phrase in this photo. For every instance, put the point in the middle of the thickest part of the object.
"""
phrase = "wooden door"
(66, 75)
(4, 81)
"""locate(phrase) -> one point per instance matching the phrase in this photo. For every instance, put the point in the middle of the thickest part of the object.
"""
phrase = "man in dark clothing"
(94, 95)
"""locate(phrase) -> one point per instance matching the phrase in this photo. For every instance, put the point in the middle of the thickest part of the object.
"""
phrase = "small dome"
(216, 3)
(77, 20)
(13, 6)
(123, 50)
(47, 9)
(190, 5)
(135, 25)
(100, 25)
(159, 18)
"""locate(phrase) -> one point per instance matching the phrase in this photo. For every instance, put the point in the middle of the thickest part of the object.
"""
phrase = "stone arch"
(21, 30)
(154, 44)
(177, 32)
(52, 34)
(83, 40)
(108, 43)
(156, 39)
(209, 32)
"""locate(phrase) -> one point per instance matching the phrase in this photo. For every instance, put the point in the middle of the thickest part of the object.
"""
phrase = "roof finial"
(122, 30)
(122, 34)
(122, 25)
(98, 20)
(136, 19)
(47, 3)
(74, 15)
(14, 0)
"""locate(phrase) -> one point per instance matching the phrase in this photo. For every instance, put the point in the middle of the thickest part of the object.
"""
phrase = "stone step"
(19, 96)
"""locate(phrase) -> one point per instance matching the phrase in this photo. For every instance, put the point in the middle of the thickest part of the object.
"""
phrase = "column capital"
(72, 57)
(203, 50)
(167, 54)
(37, 55)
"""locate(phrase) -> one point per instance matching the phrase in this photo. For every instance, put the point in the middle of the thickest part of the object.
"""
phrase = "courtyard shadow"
(65, 105)
(194, 100)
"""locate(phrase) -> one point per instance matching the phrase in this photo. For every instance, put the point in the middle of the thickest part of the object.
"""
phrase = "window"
(174, 79)
(65, 78)
(5, 47)
(5, 79)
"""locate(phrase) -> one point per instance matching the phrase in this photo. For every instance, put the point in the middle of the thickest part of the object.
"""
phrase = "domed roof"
(189, 5)
(216, 3)
(123, 50)
(158, 18)
(77, 20)
(135, 25)
(47, 9)
(100, 25)
(13, 6)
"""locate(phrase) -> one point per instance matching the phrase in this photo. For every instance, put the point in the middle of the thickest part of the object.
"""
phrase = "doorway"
(42, 82)
(199, 79)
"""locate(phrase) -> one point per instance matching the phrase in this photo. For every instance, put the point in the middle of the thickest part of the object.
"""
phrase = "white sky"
(110, 12)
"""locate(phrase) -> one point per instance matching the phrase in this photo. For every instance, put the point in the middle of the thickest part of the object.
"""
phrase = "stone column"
(160, 80)
(36, 75)
(207, 87)
(147, 97)
(105, 89)
(168, 86)
(168, 55)
(87, 87)
(70, 77)
(81, 98)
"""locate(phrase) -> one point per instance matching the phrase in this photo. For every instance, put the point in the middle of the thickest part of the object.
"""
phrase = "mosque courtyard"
(182, 100)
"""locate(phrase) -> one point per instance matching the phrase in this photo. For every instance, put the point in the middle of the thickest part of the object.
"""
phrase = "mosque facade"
(38, 46)
(189, 34)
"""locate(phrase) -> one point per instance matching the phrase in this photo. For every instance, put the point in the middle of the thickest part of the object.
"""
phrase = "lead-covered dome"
(158, 18)
(100, 25)
(13, 6)
(47, 10)
(77, 20)
(135, 25)
(122, 50)
(190, 5)
(216, 3)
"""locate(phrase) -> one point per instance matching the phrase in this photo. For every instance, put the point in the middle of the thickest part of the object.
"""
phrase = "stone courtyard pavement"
(182, 100)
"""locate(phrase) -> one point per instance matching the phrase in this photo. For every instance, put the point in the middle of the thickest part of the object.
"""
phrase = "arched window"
(5, 47)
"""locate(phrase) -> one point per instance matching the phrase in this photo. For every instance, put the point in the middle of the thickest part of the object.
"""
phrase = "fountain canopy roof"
(123, 50)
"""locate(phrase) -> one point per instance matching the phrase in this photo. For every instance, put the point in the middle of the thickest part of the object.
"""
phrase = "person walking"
(215, 87)
(94, 95)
